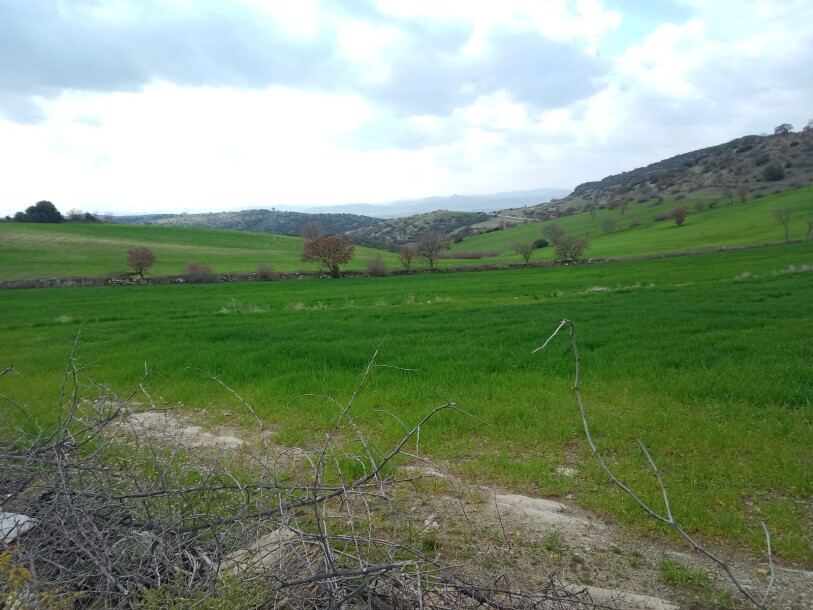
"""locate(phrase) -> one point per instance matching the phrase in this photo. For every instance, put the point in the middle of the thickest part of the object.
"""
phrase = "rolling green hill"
(61, 250)
(725, 224)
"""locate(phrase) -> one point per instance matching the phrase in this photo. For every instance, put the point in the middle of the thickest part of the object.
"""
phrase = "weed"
(675, 572)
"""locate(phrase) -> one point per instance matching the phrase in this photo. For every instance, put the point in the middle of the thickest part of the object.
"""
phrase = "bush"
(541, 243)
(773, 173)
(661, 217)
(376, 267)
(570, 247)
(634, 223)
(199, 273)
(265, 272)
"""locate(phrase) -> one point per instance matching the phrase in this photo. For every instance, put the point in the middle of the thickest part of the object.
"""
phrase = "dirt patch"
(489, 534)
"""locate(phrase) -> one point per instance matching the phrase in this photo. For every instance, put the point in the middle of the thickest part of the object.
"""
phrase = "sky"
(147, 106)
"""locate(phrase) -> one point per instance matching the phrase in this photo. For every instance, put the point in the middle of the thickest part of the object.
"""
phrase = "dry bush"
(129, 520)
(376, 267)
(265, 272)
(199, 273)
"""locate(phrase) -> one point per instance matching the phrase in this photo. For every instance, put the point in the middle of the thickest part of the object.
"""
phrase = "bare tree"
(808, 129)
(328, 250)
(407, 256)
(570, 247)
(608, 224)
(524, 249)
(139, 259)
(553, 232)
(679, 215)
(623, 204)
(430, 246)
(742, 194)
(312, 229)
(782, 216)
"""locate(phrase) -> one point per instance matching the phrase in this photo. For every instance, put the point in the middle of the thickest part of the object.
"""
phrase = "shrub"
(661, 217)
(407, 255)
(376, 267)
(541, 243)
(199, 273)
(634, 223)
(773, 173)
(679, 215)
(330, 251)
(265, 272)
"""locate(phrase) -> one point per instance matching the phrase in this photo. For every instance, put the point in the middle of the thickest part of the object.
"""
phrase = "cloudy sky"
(131, 106)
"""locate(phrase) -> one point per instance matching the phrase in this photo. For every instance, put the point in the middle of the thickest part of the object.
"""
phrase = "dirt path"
(490, 533)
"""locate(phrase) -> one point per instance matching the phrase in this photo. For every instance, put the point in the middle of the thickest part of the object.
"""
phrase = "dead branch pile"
(116, 519)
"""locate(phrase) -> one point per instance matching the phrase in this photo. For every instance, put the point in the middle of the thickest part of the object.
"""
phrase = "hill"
(257, 221)
(29, 250)
(743, 168)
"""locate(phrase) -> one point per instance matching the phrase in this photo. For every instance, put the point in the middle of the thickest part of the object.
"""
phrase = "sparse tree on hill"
(679, 215)
(808, 129)
(407, 256)
(783, 129)
(782, 216)
(312, 229)
(430, 246)
(608, 225)
(139, 259)
(328, 250)
(623, 205)
(553, 232)
(570, 247)
(525, 250)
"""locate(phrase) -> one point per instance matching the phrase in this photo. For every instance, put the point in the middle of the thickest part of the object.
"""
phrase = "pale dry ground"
(488, 533)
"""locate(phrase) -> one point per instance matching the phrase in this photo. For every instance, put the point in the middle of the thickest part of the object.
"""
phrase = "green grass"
(706, 358)
(59, 250)
(725, 225)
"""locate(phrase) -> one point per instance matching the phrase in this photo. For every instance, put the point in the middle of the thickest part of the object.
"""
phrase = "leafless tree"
(782, 216)
(553, 232)
(407, 256)
(139, 259)
(328, 250)
(570, 247)
(430, 246)
(525, 250)
(608, 224)
(679, 214)
(312, 229)
(623, 204)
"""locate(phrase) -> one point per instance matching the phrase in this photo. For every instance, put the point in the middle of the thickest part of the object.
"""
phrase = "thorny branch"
(668, 518)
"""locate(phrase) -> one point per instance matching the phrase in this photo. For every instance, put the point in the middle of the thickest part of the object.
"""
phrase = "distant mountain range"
(452, 203)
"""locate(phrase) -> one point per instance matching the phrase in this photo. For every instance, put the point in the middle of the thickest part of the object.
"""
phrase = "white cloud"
(427, 98)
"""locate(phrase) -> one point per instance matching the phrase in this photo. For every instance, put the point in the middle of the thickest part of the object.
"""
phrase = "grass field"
(725, 225)
(40, 250)
(60, 250)
(706, 358)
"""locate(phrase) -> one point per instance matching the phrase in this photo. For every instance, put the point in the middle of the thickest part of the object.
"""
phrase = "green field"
(708, 359)
(42, 250)
(725, 225)
(61, 250)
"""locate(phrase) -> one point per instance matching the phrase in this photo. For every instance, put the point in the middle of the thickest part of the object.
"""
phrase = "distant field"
(37, 251)
(725, 225)
(706, 358)
(43, 250)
